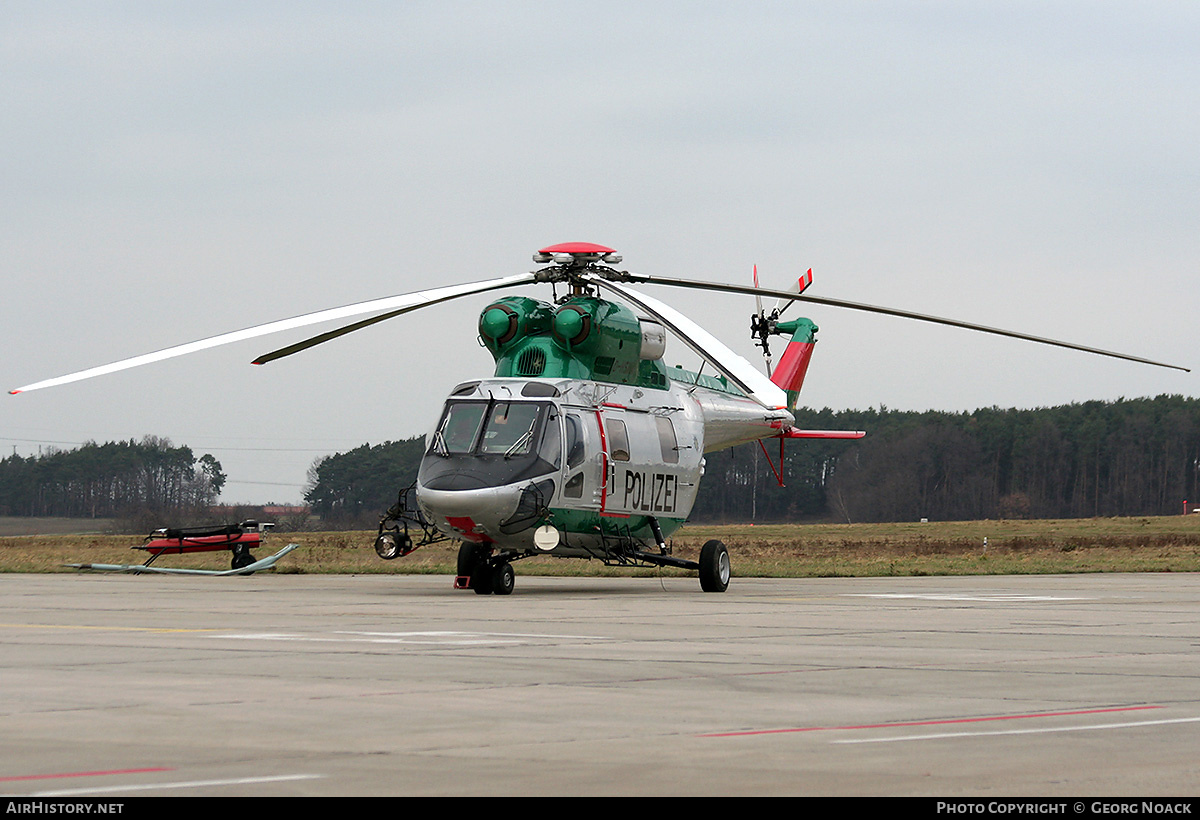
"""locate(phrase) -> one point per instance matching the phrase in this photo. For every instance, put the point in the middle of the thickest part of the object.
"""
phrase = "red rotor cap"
(576, 247)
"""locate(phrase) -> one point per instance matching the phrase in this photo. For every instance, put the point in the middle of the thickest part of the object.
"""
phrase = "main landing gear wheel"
(714, 567)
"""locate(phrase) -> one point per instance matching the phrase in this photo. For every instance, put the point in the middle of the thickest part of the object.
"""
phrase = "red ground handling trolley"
(237, 538)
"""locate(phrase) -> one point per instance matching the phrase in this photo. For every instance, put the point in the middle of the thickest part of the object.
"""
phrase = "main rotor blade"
(394, 304)
(704, 344)
(904, 314)
(426, 298)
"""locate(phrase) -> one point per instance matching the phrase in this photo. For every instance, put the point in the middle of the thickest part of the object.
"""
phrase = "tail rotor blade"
(757, 297)
(759, 325)
(801, 285)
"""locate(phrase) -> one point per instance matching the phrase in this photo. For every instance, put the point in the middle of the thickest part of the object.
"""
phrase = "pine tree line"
(360, 485)
(113, 480)
(1128, 457)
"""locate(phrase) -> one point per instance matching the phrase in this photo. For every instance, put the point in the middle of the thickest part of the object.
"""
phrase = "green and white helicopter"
(583, 443)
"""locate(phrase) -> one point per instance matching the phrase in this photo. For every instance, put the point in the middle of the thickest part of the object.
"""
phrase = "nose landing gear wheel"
(473, 564)
(481, 578)
(468, 559)
(488, 575)
(503, 579)
(714, 567)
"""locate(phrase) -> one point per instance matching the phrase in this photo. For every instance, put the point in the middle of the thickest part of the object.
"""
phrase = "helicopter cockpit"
(490, 443)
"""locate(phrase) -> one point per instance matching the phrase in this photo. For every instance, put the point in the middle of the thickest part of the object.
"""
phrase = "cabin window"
(574, 487)
(667, 440)
(618, 440)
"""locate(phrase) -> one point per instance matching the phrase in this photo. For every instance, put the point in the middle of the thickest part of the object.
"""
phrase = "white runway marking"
(996, 598)
(943, 735)
(413, 638)
(181, 784)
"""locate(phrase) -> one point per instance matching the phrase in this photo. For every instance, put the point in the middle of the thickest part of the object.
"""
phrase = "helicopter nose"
(475, 515)
(488, 514)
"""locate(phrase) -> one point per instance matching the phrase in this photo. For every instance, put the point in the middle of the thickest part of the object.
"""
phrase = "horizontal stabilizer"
(794, 433)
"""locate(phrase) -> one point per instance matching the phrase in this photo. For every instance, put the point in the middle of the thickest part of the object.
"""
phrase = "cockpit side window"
(575, 450)
(551, 449)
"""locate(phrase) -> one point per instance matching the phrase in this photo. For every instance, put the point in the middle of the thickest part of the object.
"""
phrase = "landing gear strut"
(713, 565)
(488, 572)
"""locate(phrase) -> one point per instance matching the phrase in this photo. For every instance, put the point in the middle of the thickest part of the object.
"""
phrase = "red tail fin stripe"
(793, 366)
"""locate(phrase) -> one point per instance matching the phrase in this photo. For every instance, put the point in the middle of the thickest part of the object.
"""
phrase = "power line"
(224, 449)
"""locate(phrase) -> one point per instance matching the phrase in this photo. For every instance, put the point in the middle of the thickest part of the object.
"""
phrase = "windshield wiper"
(439, 444)
(523, 440)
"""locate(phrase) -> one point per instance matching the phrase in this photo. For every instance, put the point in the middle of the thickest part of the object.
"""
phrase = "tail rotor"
(764, 325)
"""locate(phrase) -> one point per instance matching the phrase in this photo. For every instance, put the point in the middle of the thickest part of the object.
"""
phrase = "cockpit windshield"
(459, 428)
(490, 443)
(491, 428)
(509, 428)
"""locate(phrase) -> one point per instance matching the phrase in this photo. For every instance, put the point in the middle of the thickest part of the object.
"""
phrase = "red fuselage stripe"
(604, 463)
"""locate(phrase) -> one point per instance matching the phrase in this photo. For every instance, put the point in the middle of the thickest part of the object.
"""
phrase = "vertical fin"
(793, 364)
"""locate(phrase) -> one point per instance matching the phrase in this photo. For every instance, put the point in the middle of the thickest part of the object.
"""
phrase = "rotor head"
(577, 255)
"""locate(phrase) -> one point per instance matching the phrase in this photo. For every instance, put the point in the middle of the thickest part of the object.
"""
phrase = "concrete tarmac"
(969, 687)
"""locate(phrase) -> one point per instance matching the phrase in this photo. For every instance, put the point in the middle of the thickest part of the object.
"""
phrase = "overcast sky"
(175, 170)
